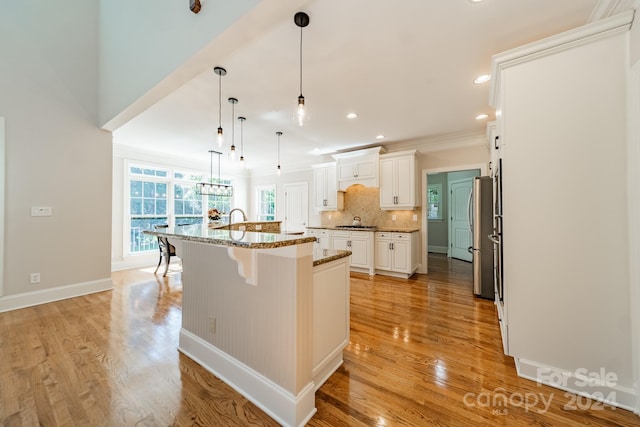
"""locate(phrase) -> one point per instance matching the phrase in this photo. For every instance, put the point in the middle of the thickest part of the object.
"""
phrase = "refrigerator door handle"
(494, 238)
(469, 211)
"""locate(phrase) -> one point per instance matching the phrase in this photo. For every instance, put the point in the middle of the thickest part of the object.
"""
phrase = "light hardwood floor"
(423, 351)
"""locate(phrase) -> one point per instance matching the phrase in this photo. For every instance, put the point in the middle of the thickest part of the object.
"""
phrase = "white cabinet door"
(360, 253)
(346, 171)
(406, 182)
(320, 188)
(398, 181)
(387, 183)
(383, 254)
(401, 255)
(340, 243)
(325, 188)
(331, 186)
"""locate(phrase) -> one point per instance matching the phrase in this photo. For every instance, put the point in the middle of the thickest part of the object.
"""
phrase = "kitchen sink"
(368, 227)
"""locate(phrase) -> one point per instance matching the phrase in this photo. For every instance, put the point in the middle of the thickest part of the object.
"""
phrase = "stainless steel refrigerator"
(481, 224)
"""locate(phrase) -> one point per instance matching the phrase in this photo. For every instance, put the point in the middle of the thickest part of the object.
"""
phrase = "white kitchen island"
(265, 313)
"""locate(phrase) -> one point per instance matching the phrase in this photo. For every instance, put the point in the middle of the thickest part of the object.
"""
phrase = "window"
(161, 196)
(434, 201)
(266, 203)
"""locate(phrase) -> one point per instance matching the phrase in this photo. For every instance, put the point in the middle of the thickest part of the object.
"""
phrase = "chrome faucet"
(244, 217)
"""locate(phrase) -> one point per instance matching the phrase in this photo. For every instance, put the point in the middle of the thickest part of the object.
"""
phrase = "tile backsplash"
(365, 202)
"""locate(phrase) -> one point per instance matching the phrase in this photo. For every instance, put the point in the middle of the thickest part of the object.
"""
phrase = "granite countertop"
(385, 229)
(322, 256)
(244, 239)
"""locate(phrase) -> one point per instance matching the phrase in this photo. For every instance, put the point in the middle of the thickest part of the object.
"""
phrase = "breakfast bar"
(264, 312)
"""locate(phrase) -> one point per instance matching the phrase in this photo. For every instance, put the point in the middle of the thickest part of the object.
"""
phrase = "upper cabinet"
(398, 181)
(326, 195)
(358, 167)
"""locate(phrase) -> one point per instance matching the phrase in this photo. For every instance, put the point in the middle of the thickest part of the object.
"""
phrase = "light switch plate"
(40, 210)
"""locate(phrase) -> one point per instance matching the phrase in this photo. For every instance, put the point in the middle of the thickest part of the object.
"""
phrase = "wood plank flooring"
(423, 352)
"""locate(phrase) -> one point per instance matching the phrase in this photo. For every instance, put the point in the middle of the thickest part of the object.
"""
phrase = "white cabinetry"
(323, 237)
(398, 180)
(396, 254)
(360, 243)
(330, 317)
(358, 167)
(326, 195)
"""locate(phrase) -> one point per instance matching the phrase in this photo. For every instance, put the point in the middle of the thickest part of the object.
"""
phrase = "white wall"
(55, 154)
(144, 41)
(565, 210)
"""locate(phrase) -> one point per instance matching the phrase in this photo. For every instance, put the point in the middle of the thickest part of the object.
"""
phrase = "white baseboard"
(140, 262)
(278, 403)
(438, 249)
(591, 386)
(43, 296)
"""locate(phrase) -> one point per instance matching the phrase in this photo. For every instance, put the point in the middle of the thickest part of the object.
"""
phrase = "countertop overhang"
(236, 238)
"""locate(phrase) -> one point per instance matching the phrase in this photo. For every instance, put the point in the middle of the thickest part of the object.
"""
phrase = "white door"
(459, 232)
(296, 206)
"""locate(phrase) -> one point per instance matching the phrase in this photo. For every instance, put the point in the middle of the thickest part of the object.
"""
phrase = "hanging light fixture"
(220, 72)
(232, 152)
(242, 119)
(212, 188)
(279, 135)
(302, 20)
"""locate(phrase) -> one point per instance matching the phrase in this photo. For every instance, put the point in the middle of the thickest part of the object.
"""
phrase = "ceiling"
(407, 69)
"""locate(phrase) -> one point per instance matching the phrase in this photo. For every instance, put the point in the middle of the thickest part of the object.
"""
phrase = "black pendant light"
(278, 170)
(242, 119)
(302, 20)
(220, 72)
(232, 152)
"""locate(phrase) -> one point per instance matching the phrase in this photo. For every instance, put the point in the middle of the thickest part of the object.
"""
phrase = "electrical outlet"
(415, 217)
(258, 227)
(35, 278)
(212, 325)
(40, 211)
(330, 216)
(393, 217)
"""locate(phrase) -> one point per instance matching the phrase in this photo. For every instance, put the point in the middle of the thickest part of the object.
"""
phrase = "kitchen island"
(264, 312)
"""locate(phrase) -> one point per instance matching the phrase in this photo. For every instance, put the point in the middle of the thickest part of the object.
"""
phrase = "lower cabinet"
(323, 237)
(396, 253)
(360, 243)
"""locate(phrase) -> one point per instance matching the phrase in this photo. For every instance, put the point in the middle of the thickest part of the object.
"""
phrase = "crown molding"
(603, 9)
(450, 141)
(567, 40)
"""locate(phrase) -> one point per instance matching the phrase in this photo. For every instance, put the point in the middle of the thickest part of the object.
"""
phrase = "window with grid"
(266, 203)
(160, 196)
(434, 201)
(147, 207)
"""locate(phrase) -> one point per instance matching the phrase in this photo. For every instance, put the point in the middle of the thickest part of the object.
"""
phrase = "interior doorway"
(436, 233)
(296, 206)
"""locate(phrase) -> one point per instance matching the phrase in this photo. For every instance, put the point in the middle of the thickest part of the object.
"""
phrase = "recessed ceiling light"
(481, 116)
(380, 137)
(316, 149)
(476, 1)
(482, 79)
(352, 115)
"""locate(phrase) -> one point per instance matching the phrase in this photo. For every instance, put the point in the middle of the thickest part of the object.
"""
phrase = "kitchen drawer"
(383, 235)
(340, 233)
(401, 236)
(360, 234)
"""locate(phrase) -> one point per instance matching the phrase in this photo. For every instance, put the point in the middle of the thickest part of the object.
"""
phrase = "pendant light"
(220, 72)
(210, 188)
(232, 152)
(242, 119)
(278, 170)
(302, 20)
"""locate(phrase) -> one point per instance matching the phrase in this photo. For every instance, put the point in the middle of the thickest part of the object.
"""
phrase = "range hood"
(358, 167)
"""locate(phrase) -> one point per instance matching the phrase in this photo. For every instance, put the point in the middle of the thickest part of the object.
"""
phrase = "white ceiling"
(406, 67)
